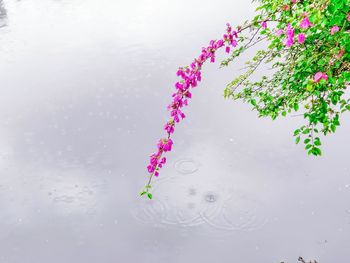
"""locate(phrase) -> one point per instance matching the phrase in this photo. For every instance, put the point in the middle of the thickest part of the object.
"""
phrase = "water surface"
(84, 89)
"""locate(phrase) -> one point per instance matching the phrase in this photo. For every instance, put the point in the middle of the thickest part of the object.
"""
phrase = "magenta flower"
(301, 38)
(167, 145)
(163, 145)
(279, 32)
(305, 23)
(320, 75)
(189, 78)
(234, 43)
(334, 29)
(163, 160)
(169, 127)
(229, 28)
(290, 35)
(290, 31)
(264, 24)
(220, 43)
(289, 42)
(150, 168)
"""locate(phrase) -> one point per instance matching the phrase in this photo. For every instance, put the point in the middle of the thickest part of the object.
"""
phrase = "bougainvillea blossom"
(189, 78)
(320, 75)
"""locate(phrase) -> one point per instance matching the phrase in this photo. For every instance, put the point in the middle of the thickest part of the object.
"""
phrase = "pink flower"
(234, 43)
(290, 35)
(229, 28)
(289, 42)
(190, 76)
(163, 160)
(294, 1)
(150, 168)
(348, 17)
(179, 85)
(279, 32)
(320, 75)
(290, 31)
(220, 43)
(305, 23)
(334, 29)
(169, 127)
(167, 145)
(301, 38)
(264, 24)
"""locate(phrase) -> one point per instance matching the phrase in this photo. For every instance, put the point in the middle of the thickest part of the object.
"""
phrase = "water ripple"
(176, 204)
(186, 166)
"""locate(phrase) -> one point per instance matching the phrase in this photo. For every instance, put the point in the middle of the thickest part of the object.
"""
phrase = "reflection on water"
(83, 91)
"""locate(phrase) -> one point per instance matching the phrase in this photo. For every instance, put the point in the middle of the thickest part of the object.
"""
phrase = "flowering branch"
(190, 77)
(309, 49)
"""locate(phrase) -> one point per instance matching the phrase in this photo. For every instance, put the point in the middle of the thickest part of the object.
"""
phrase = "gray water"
(84, 88)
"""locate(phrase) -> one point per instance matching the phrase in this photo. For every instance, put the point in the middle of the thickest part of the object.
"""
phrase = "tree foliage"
(309, 52)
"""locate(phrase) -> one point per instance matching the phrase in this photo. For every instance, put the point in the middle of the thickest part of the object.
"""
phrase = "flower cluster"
(290, 31)
(189, 78)
(290, 35)
(305, 24)
(309, 49)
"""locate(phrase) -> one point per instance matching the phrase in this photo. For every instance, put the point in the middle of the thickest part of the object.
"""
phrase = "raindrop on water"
(210, 197)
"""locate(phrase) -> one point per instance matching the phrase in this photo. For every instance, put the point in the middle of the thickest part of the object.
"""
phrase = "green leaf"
(333, 127)
(149, 195)
(296, 106)
(306, 140)
(306, 131)
(317, 142)
(318, 150)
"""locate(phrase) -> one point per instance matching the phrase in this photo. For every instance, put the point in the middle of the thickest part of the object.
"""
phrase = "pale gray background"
(84, 88)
